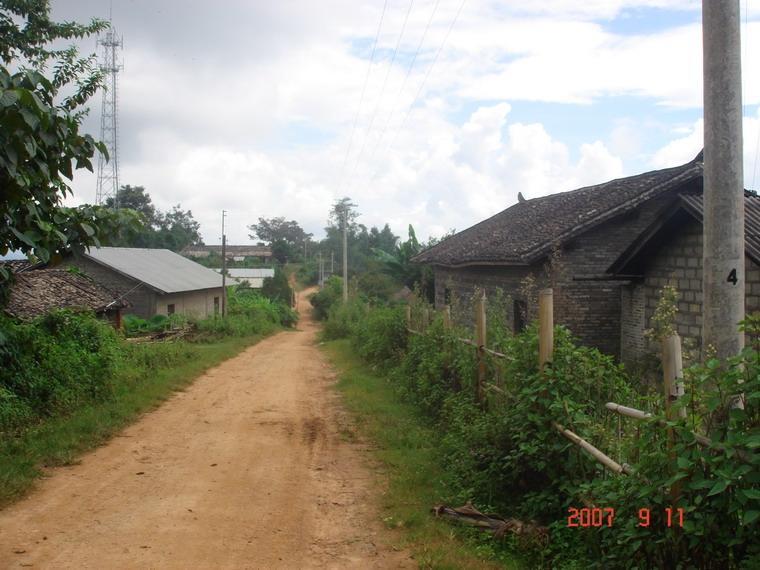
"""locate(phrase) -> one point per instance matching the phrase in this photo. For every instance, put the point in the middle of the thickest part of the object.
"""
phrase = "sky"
(434, 113)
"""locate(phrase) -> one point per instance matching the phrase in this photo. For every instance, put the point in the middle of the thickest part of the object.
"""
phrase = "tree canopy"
(174, 230)
(286, 237)
(40, 142)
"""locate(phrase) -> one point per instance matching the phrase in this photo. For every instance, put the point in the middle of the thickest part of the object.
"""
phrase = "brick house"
(606, 250)
(154, 281)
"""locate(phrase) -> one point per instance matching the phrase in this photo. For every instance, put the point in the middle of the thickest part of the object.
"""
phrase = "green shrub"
(277, 288)
(53, 365)
(507, 456)
(328, 296)
(342, 318)
(380, 336)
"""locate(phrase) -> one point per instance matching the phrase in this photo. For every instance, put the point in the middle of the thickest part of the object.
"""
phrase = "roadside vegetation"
(410, 448)
(506, 456)
(68, 380)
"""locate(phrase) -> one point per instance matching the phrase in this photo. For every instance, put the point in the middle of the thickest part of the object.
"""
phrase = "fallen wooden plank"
(492, 523)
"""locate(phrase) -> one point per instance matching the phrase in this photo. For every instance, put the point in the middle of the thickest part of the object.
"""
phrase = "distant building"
(154, 281)
(36, 292)
(253, 276)
(261, 253)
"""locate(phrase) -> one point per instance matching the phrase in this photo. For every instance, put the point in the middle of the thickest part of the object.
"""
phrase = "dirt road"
(247, 468)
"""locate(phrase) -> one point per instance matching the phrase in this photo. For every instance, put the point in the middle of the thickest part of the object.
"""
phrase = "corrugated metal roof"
(249, 272)
(161, 269)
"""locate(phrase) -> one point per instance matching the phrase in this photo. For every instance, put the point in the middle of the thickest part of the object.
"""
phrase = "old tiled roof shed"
(527, 231)
(37, 292)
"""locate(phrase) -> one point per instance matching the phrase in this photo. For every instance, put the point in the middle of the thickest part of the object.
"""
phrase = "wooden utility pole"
(345, 254)
(723, 226)
(224, 268)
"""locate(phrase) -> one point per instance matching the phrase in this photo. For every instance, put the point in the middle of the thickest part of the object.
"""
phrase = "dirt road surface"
(247, 468)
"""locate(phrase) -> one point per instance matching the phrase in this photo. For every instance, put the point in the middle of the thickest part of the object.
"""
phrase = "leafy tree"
(383, 239)
(399, 263)
(177, 230)
(40, 142)
(137, 199)
(174, 230)
(287, 238)
(343, 208)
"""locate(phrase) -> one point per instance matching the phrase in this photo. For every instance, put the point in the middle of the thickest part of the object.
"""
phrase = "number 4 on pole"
(732, 277)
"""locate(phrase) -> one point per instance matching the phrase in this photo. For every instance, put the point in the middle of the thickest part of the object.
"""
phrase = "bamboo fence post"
(672, 371)
(408, 316)
(446, 317)
(545, 327)
(480, 338)
(425, 318)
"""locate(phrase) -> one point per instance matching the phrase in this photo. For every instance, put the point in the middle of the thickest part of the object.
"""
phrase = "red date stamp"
(605, 517)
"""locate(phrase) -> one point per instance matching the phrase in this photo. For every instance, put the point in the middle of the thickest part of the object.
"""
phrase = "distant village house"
(252, 276)
(261, 253)
(607, 250)
(154, 281)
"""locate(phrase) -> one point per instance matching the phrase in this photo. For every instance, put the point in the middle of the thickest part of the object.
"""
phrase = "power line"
(406, 78)
(424, 80)
(382, 90)
(361, 99)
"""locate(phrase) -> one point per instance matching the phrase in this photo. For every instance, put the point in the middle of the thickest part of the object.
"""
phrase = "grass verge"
(409, 449)
(61, 440)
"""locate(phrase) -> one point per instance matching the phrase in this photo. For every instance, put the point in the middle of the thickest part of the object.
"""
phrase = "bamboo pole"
(480, 338)
(486, 350)
(641, 415)
(446, 317)
(605, 460)
(425, 318)
(672, 370)
(545, 327)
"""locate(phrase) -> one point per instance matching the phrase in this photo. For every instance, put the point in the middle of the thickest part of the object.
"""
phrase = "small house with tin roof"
(154, 281)
(607, 250)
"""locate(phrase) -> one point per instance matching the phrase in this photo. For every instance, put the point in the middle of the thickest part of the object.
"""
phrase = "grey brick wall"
(677, 262)
(590, 309)
(142, 298)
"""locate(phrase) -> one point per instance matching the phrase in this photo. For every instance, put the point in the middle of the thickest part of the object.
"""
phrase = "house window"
(170, 309)
(521, 316)
(216, 305)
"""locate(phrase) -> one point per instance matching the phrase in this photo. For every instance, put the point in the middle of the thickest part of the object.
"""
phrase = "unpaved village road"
(244, 469)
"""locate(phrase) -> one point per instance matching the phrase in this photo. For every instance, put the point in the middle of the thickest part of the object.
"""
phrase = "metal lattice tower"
(108, 171)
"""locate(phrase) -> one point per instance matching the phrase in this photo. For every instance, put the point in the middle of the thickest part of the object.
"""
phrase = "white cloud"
(250, 108)
(684, 148)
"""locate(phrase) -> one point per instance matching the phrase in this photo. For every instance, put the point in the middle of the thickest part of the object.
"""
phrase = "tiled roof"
(527, 230)
(37, 292)
(693, 203)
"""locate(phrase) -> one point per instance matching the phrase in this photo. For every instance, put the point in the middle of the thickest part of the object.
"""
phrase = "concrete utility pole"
(723, 244)
(224, 268)
(345, 255)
